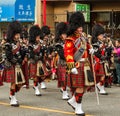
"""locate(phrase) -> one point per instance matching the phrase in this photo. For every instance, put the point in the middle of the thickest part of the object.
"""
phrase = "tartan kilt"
(9, 75)
(32, 70)
(99, 71)
(61, 75)
(76, 80)
(1, 77)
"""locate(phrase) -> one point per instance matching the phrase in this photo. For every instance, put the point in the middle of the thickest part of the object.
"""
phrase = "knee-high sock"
(35, 83)
(102, 82)
(12, 92)
(78, 97)
(17, 88)
(72, 91)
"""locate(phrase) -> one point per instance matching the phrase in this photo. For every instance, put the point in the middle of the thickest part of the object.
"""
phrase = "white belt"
(82, 59)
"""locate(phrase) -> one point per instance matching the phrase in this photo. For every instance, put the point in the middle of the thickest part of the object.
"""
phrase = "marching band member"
(12, 66)
(47, 53)
(99, 52)
(46, 42)
(60, 36)
(76, 51)
(35, 57)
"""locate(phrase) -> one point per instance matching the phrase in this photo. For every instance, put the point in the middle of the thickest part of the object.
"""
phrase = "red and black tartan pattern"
(61, 75)
(77, 80)
(1, 78)
(9, 75)
(32, 70)
(99, 71)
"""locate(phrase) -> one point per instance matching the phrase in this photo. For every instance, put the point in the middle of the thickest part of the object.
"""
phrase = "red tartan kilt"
(99, 70)
(77, 80)
(1, 78)
(61, 74)
(9, 75)
(32, 70)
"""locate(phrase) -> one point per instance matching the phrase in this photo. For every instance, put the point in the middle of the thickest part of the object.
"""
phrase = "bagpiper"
(60, 36)
(13, 59)
(46, 32)
(36, 57)
(76, 51)
(99, 56)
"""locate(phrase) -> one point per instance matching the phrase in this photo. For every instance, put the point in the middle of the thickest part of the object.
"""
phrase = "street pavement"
(51, 103)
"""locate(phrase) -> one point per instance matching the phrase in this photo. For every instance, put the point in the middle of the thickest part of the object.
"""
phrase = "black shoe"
(81, 114)
(15, 105)
(103, 93)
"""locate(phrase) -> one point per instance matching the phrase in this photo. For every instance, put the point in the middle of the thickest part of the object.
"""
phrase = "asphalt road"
(51, 103)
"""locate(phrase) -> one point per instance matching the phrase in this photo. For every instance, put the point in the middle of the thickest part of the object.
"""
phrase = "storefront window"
(110, 21)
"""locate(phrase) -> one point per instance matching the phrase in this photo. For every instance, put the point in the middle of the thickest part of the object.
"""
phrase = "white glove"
(91, 51)
(74, 71)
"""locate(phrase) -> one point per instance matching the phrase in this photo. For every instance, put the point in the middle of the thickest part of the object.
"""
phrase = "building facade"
(106, 12)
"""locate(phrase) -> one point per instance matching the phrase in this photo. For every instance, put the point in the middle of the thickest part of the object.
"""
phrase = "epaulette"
(69, 38)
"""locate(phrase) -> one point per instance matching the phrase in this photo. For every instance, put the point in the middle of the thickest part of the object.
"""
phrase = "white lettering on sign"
(28, 7)
(23, 12)
(0, 9)
(21, 7)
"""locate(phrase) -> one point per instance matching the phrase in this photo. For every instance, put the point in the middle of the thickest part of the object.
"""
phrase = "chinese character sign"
(25, 10)
(85, 9)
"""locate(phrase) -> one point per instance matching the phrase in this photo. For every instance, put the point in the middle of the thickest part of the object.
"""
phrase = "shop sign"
(85, 9)
(25, 10)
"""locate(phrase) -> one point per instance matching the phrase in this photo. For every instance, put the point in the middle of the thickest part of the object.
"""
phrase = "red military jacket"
(70, 49)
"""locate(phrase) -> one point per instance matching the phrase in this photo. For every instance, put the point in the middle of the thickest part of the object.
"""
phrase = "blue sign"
(25, 10)
(21, 10)
(7, 10)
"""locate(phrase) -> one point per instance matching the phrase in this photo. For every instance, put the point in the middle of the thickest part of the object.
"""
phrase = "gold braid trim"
(70, 66)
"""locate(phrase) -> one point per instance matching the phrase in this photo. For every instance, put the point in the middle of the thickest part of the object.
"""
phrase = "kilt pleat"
(99, 71)
(61, 75)
(76, 80)
(9, 75)
(32, 70)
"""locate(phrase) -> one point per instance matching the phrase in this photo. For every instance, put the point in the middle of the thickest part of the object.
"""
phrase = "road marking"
(42, 109)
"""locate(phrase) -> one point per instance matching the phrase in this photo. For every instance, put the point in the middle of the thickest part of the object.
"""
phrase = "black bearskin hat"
(61, 28)
(13, 28)
(96, 31)
(76, 20)
(45, 30)
(33, 33)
